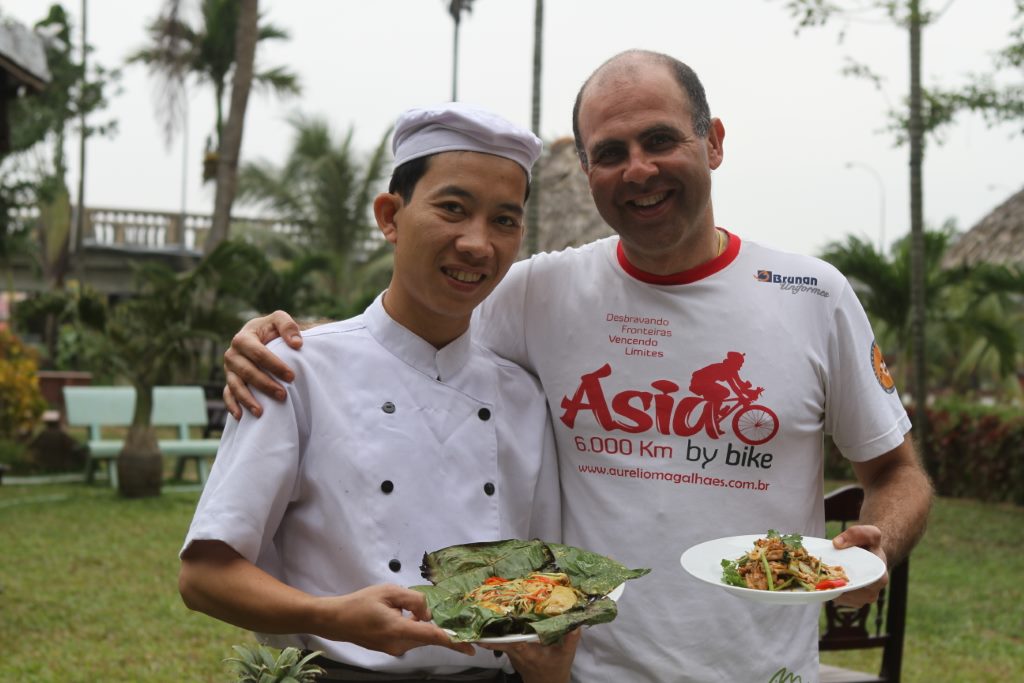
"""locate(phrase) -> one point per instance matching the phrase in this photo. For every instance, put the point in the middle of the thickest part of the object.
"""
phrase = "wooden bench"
(100, 408)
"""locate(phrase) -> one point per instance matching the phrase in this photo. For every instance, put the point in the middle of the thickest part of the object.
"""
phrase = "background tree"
(324, 187)
(41, 125)
(222, 46)
(910, 15)
(533, 209)
(984, 94)
(455, 9)
(974, 318)
(180, 54)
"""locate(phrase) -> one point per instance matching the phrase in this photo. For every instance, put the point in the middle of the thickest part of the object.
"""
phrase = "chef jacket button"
(395, 566)
(387, 486)
(489, 489)
(388, 407)
(484, 414)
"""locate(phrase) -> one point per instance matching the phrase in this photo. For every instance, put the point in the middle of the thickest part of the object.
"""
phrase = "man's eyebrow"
(661, 128)
(658, 128)
(456, 190)
(462, 192)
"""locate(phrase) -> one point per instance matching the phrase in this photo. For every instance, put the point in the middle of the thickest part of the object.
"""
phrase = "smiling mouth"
(463, 275)
(648, 201)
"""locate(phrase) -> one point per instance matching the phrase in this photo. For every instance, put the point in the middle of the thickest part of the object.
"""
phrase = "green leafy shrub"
(976, 451)
(21, 402)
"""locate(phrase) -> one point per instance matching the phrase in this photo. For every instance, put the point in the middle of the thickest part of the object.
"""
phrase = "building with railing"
(113, 238)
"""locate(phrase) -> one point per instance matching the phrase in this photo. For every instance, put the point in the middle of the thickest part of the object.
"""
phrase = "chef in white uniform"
(399, 435)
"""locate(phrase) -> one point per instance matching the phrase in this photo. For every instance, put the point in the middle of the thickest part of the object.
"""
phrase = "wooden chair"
(880, 625)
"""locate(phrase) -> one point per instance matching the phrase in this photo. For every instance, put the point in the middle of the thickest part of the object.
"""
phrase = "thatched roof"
(567, 213)
(998, 238)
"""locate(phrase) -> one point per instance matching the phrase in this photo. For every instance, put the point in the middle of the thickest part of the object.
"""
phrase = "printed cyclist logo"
(719, 393)
(725, 393)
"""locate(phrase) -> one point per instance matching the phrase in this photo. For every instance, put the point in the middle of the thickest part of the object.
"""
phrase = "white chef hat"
(460, 127)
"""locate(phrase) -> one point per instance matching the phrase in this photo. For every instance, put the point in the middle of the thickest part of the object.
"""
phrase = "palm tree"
(533, 210)
(455, 9)
(150, 338)
(223, 45)
(325, 188)
(974, 320)
(207, 54)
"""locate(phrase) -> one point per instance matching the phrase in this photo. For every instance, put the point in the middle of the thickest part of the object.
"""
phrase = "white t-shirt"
(386, 448)
(646, 472)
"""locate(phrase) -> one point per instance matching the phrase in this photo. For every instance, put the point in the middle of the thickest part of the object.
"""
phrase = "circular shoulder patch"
(881, 371)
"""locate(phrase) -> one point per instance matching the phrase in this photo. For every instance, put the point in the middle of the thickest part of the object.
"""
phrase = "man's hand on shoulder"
(247, 362)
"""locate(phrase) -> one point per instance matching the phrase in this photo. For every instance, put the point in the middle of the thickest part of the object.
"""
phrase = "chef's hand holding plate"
(869, 538)
(389, 619)
(538, 663)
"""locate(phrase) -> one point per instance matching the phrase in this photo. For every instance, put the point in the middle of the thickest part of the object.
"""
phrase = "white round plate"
(704, 561)
(531, 637)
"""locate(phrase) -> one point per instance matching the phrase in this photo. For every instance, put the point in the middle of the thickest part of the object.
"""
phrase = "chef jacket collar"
(441, 364)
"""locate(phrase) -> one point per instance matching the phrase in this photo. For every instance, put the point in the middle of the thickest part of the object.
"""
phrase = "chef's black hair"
(404, 178)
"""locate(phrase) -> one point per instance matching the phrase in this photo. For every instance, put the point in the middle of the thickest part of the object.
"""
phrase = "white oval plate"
(530, 637)
(704, 561)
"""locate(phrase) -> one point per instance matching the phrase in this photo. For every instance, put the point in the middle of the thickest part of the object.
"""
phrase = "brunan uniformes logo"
(794, 284)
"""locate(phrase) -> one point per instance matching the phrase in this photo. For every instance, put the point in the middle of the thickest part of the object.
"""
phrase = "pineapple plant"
(259, 664)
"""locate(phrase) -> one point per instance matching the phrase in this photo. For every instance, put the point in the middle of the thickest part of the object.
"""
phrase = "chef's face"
(455, 238)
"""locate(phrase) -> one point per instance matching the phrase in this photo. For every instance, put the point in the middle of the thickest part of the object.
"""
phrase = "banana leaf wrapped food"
(500, 588)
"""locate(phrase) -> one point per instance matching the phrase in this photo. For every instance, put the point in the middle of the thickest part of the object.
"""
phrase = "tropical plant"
(46, 315)
(974, 319)
(153, 338)
(324, 187)
(259, 664)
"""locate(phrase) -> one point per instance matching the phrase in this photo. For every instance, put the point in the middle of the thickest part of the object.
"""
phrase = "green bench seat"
(101, 408)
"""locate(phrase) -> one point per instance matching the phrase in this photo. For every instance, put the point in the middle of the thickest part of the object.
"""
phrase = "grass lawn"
(88, 593)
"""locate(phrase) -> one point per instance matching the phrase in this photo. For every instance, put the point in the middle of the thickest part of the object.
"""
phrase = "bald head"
(626, 66)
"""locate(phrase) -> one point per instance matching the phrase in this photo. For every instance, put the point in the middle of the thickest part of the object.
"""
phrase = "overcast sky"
(794, 124)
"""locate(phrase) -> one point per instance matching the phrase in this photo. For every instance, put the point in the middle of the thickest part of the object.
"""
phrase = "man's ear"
(386, 207)
(716, 136)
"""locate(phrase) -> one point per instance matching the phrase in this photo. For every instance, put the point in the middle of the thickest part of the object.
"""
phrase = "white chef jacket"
(386, 448)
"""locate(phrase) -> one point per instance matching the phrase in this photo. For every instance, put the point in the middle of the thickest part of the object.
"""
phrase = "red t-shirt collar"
(732, 249)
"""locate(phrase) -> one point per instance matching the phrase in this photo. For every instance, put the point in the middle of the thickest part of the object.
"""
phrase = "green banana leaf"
(458, 569)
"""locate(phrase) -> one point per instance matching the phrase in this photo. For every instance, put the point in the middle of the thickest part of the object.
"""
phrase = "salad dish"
(719, 562)
(515, 590)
